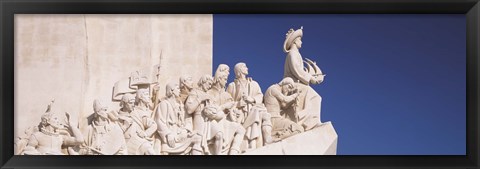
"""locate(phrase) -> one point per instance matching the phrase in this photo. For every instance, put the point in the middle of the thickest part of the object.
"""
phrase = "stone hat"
(291, 36)
(97, 106)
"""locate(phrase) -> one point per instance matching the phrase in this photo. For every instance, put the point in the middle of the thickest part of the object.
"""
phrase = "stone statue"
(254, 117)
(294, 61)
(278, 99)
(170, 117)
(127, 103)
(196, 105)
(139, 135)
(104, 137)
(196, 101)
(49, 139)
(308, 105)
(232, 132)
(186, 87)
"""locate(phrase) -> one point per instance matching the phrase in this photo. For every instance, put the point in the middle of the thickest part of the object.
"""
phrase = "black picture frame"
(8, 8)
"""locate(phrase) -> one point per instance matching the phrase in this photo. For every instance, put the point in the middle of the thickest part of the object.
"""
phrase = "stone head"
(172, 90)
(51, 119)
(127, 102)
(221, 75)
(100, 109)
(205, 82)
(142, 96)
(240, 69)
(186, 82)
(287, 85)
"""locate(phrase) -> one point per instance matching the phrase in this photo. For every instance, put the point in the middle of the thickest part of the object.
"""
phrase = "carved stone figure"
(186, 87)
(308, 105)
(104, 137)
(232, 132)
(278, 99)
(196, 102)
(254, 117)
(49, 140)
(139, 135)
(127, 103)
(170, 117)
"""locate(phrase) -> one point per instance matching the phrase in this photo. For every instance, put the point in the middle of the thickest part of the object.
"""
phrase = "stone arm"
(284, 99)
(77, 138)
(228, 102)
(112, 115)
(231, 89)
(256, 92)
(150, 125)
(295, 63)
(214, 113)
(31, 145)
(192, 103)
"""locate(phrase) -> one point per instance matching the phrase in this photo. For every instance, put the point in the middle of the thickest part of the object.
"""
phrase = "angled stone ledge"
(319, 141)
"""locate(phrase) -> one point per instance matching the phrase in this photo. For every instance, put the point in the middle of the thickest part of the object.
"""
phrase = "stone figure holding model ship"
(306, 110)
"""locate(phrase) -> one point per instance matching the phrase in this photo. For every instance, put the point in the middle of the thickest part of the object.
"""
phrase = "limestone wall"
(77, 58)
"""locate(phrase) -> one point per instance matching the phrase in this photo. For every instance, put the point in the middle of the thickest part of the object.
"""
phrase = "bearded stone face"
(189, 83)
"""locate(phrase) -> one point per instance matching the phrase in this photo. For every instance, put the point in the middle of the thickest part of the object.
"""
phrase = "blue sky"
(395, 84)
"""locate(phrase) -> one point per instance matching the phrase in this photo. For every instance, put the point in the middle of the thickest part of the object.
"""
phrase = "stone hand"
(229, 105)
(170, 140)
(142, 134)
(248, 99)
(68, 121)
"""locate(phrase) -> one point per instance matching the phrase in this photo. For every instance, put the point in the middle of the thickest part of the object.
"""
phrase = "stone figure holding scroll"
(308, 105)
(253, 115)
(49, 139)
(170, 117)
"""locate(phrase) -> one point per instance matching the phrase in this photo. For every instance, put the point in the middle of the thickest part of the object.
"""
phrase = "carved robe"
(294, 68)
(252, 116)
(105, 139)
(170, 118)
(40, 143)
(228, 128)
(141, 121)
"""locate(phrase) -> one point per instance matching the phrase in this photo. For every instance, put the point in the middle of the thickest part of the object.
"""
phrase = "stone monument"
(211, 118)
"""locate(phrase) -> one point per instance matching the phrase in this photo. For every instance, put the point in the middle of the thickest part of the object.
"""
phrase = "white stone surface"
(77, 58)
(318, 141)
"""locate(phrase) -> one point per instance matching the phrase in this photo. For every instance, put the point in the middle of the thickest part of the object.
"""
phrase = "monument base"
(318, 141)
